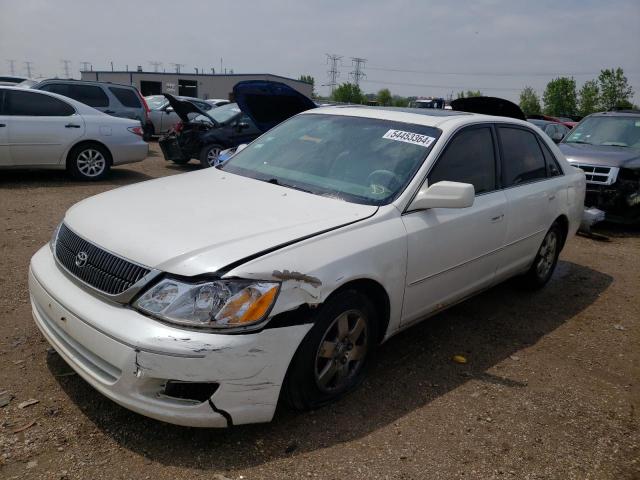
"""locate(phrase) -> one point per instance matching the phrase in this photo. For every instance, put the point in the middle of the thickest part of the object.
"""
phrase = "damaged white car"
(292, 262)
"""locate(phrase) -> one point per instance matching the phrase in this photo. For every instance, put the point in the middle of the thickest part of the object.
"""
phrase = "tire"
(209, 154)
(182, 161)
(546, 259)
(89, 161)
(332, 359)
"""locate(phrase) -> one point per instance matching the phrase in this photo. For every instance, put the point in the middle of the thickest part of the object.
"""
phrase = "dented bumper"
(133, 359)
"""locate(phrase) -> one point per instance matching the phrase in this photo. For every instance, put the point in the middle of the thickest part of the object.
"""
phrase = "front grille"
(597, 174)
(101, 270)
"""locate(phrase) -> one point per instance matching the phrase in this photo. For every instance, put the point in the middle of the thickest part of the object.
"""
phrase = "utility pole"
(28, 65)
(156, 65)
(65, 67)
(332, 61)
(213, 71)
(357, 73)
(86, 66)
(12, 66)
(111, 66)
(177, 66)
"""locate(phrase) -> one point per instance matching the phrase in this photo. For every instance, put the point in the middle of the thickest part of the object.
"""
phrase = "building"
(189, 84)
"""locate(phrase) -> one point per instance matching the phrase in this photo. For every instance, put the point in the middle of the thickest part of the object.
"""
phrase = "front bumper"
(129, 357)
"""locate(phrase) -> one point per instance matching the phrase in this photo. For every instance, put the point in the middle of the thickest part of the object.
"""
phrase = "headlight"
(54, 238)
(220, 304)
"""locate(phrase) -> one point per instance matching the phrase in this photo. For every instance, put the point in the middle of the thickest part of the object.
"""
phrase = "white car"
(46, 130)
(325, 236)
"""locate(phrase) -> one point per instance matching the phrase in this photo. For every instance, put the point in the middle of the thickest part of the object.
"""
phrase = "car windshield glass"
(222, 114)
(615, 131)
(156, 102)
(361, 160)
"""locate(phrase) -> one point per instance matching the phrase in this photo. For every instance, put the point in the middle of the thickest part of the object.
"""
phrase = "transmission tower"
(65, 67)
(177, 66)
(156, 65)
(86, 66)
(28, 65)
(12, 66)
(357, 73)
(332, 61)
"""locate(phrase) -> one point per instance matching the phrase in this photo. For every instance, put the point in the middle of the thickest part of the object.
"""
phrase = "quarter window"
(35, 105)
(469, 158)
(522, 158)
(126, 97)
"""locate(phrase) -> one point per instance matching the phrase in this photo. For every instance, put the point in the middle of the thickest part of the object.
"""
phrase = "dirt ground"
(551, 389)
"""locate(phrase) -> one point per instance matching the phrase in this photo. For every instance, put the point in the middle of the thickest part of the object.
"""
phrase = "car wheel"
(209, 155)
(332, 358)
(546, 259)
(89, 162)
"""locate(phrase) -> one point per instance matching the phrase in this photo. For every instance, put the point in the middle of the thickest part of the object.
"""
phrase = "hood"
(604, 155)
(269, 103)
(202, 221)
(183, 108)
(488, 106)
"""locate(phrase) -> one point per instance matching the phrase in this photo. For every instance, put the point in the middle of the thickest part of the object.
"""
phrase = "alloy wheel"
(212, 155)
(91, 162)
(547, 254)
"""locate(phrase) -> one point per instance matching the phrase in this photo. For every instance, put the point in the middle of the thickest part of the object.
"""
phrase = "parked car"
(321, 239)
(44, 130)
(161, 115)
(11, 80)
(607, 147)
(556, 131)
(111, 98)
(217, 102)
(566, 121)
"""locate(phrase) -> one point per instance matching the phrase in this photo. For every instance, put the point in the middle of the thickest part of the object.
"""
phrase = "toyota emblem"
(81, 259)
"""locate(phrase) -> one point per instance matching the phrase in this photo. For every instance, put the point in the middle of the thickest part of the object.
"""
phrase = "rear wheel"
(209, 155)
(332, 358)
(89, 161)
(546, 259)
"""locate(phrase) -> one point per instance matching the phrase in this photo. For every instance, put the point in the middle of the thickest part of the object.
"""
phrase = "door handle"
(497, 218)
(552, 197)
(109, 112)
(71, 125)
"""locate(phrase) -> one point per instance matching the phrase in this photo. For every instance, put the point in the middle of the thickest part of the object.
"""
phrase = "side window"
(59, 88)
(126, 97)
(469, 158)
(89, 95)
(35, 105)
(522, 158)
(553, 167)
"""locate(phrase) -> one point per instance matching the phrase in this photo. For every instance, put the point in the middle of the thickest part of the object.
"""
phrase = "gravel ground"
(551, 389)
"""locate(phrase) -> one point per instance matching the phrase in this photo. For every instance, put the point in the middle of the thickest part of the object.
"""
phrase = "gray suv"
(111, 98)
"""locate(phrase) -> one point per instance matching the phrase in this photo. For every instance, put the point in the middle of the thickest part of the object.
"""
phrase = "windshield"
(361, 160)
(156, 102)
(222, 114)
(615, 131)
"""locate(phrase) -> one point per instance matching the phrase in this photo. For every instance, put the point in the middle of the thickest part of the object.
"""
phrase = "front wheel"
(546, 259)
(331, 360)
(209, 155)
(89, 162)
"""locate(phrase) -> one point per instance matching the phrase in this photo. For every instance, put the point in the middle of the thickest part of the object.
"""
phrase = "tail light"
(136, 130)
(147, 110)
(178, 127)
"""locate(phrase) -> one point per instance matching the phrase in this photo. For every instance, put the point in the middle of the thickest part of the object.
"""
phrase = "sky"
(419, 47)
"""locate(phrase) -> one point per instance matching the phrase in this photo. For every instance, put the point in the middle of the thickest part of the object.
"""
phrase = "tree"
(399, 101)
(560, 97)
(470, 93)
(529, 102)
(589, 98)
(614, 89)
(348, 93)
(384, 97)
(311, 81)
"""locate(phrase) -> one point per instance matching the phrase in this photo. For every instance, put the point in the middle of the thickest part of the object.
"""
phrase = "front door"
(452, 252)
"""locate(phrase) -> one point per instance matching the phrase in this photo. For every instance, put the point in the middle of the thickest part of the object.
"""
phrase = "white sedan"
(323, 238)
(46, 130)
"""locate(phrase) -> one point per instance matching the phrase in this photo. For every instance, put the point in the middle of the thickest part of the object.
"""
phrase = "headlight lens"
(220, 304)
(54, 238)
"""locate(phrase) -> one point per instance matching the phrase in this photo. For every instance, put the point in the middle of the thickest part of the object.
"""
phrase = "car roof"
(419, 116)
(617, 113)
(85, 82)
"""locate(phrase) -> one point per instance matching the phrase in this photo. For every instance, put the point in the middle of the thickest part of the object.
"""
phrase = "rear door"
(5, 153)
(451, 251)
(533, 196)
(41, 127)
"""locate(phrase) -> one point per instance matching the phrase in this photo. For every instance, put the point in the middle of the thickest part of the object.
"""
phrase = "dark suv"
(111, 98)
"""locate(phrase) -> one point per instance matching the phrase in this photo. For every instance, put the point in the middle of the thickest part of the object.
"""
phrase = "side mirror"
(168, 110)
(444, 195)
(557, 137)
(241, 147)
(241, 126)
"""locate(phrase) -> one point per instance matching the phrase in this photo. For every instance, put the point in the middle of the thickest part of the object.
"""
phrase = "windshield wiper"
(275, 181)
(579, 141)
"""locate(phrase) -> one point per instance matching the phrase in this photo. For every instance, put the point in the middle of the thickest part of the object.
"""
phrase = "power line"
(332, 60)
(486, 74)
(156, 65)
(177, 66)
(28, 65)
(86, 66)
(357, 73)
(66, 64)
(12, 66)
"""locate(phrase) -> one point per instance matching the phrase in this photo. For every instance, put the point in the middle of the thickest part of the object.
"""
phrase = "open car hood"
(183, 108)
(488, 106)
(269, 103)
